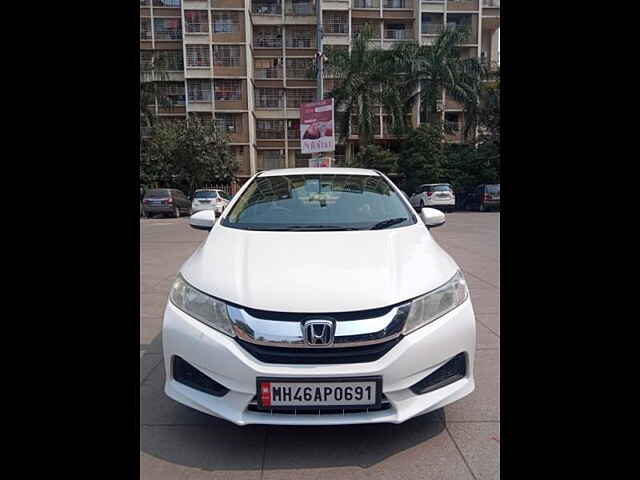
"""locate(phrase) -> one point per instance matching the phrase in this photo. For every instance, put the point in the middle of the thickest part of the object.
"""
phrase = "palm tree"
(360, 77)
(431, 69)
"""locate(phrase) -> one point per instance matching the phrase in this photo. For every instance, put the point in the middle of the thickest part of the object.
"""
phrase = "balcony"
(196, 28)
(269, 98)
(301, 39)
(491, 3)
(394, 34)
(366, 4)
(270, 134)
(397, 4)
(293, 130)
(432, 28)
(358, 28)
(266, 7)
(335, 28)
(300, 8)
(269, 73)
(267, 39)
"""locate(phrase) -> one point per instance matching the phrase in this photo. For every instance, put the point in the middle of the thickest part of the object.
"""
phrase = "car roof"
(318, 171)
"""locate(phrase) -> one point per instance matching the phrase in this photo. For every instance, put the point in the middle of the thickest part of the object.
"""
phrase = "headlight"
(436, 303)
(201, 306)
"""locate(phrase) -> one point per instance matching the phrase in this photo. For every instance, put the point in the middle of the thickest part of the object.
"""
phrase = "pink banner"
(317, 127)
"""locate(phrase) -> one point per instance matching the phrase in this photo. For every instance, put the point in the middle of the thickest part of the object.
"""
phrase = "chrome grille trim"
(352, 333)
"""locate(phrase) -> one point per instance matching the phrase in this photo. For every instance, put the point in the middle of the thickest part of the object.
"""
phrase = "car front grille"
(319, 356)
(253, 407)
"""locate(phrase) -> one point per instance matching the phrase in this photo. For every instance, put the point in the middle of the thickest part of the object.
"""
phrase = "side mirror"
(432, 217)
(203, 220)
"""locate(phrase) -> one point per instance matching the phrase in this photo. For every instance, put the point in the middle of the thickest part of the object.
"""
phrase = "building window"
(145, 29)
(167, 3)
(300, 68)
(269, 97)
(167, 28)
(300, 7)
(173, 91)
(198, 56)
(395, 4)
(170, 60)
(227, 122)
(228, 90)
(270, 129)
(300, 37)
(144, 3)
(335, 22)
(268, 68)
(293, 129)
(267, 37)
(296, 97)
(302, 159)
(226, 55)
(196, 21)
(226, 22)
(272, 159)
(199, 91)
(266, 7)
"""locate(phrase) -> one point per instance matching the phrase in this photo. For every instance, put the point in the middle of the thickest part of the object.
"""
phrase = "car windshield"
(493, 188)
(205, 194)
(162, 193)
(319, 202)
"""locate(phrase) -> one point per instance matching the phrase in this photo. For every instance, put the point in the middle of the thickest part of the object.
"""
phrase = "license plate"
(361, 392)
(205, 201)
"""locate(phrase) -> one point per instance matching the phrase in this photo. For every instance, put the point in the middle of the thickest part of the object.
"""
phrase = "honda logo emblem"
(318, 333)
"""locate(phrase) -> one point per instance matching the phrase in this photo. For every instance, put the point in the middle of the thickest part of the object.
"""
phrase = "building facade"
(249, 64)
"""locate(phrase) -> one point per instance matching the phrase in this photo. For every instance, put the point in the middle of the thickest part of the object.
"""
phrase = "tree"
(153, 71)
(360, 76)
(187, 154)
(489, 123)
(423, 157)
(374, 157)
(431, 69)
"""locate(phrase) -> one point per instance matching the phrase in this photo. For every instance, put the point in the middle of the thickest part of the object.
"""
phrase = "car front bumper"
(225, 361)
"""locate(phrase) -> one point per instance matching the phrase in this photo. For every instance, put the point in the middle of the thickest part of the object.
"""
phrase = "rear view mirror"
(203, 220)
(432, 217)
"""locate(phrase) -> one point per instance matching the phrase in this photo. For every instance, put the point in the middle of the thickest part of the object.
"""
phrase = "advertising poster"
(316, 127)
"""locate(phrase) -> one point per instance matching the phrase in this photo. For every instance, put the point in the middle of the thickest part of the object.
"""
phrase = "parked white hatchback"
(209, 199)
(319, 298)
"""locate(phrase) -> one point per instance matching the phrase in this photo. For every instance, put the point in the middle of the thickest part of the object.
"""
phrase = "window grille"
(226, 22)
(167, 28)
(196, 21)
(170, 60)
(335, 22)
(227, 122)
(272, 159)
(266, 7)
(144, 3)
(226, 55)
(227, 90)
(270, 129)
(145, 29)
(300, 38)
(300, 7)
(293, 129)
(366, 3)
(296, 97)
(395, 4)
(267, 37)
(199, 91)
(198, 56)
(167, 3)
(269, 97)
(300, 68)
(268, 68)
(174, 91)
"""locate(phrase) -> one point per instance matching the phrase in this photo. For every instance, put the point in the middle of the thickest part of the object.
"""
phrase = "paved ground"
(462, 441)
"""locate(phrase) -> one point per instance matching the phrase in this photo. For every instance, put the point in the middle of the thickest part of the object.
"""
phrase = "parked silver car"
(209, 199)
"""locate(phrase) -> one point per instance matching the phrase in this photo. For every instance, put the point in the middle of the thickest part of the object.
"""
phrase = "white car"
(209, 199)
(319, 298)
(434, 195)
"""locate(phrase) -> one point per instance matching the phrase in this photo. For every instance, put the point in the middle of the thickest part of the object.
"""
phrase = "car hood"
(318, 272)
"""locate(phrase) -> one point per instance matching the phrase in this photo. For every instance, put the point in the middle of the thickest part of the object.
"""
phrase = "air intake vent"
(452, 371)
(184, 373)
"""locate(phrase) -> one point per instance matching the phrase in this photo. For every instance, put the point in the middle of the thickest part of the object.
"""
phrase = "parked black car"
(484, 197)
(167, 201)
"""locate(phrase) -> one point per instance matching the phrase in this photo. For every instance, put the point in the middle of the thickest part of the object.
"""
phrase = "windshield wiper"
(319, 228)
(388, 223)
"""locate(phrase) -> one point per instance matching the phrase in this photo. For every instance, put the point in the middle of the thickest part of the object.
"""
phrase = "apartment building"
(248, 64)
